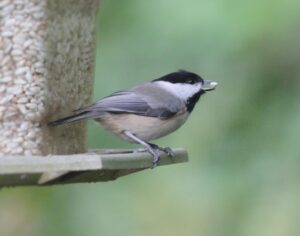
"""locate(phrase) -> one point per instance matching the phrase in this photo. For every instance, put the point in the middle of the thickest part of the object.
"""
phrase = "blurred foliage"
(243, 139)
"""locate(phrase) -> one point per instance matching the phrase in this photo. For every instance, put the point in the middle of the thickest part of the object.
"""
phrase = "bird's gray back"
(147, 99)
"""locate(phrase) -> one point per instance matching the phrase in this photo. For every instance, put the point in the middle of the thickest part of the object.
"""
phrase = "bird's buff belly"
(146, 128)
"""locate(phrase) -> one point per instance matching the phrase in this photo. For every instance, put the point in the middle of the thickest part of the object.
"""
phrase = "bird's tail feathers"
(74, 118)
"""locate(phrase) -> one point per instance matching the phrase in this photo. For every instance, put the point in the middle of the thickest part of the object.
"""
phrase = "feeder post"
(47, 60)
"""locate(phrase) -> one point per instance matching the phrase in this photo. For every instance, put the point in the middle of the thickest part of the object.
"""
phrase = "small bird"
(147, 111)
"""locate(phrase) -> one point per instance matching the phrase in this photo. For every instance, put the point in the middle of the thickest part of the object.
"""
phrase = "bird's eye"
(190, 81)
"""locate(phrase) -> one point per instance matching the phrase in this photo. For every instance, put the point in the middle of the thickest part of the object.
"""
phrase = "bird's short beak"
(209, 85)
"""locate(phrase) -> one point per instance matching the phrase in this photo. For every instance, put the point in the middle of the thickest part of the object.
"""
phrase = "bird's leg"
(153, 151)
(166, 150)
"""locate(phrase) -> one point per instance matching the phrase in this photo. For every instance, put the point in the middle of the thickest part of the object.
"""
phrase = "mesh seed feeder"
(47, 60)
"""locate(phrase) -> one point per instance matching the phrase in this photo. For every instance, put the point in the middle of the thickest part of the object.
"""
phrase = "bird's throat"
(191, 102)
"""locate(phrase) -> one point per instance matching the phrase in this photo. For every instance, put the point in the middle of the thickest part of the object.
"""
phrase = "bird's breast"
(146, 128)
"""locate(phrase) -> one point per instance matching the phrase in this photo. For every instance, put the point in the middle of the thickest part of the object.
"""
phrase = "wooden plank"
(94, 166)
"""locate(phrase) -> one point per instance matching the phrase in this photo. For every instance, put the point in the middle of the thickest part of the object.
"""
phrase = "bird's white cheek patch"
(183, 91)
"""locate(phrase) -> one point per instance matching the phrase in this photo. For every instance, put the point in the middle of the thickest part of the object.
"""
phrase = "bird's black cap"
(181, 76)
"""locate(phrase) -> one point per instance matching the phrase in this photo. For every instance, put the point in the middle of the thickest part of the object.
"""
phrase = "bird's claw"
(168, 151)
(156, 157)
(156, 150)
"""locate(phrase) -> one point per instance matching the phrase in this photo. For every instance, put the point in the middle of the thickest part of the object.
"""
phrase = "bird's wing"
(152, 102)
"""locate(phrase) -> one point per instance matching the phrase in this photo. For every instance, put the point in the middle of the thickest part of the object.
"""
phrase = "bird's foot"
(169, 152)
(151, 148)
(153, 151)
(166, 150)
(156, 157)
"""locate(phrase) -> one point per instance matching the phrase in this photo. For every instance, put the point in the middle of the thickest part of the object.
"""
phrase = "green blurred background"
(243, 176)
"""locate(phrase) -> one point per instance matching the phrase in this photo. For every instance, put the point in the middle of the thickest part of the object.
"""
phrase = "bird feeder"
(47, 61)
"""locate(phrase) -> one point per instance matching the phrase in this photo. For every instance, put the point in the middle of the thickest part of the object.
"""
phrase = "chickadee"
(147, 111)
